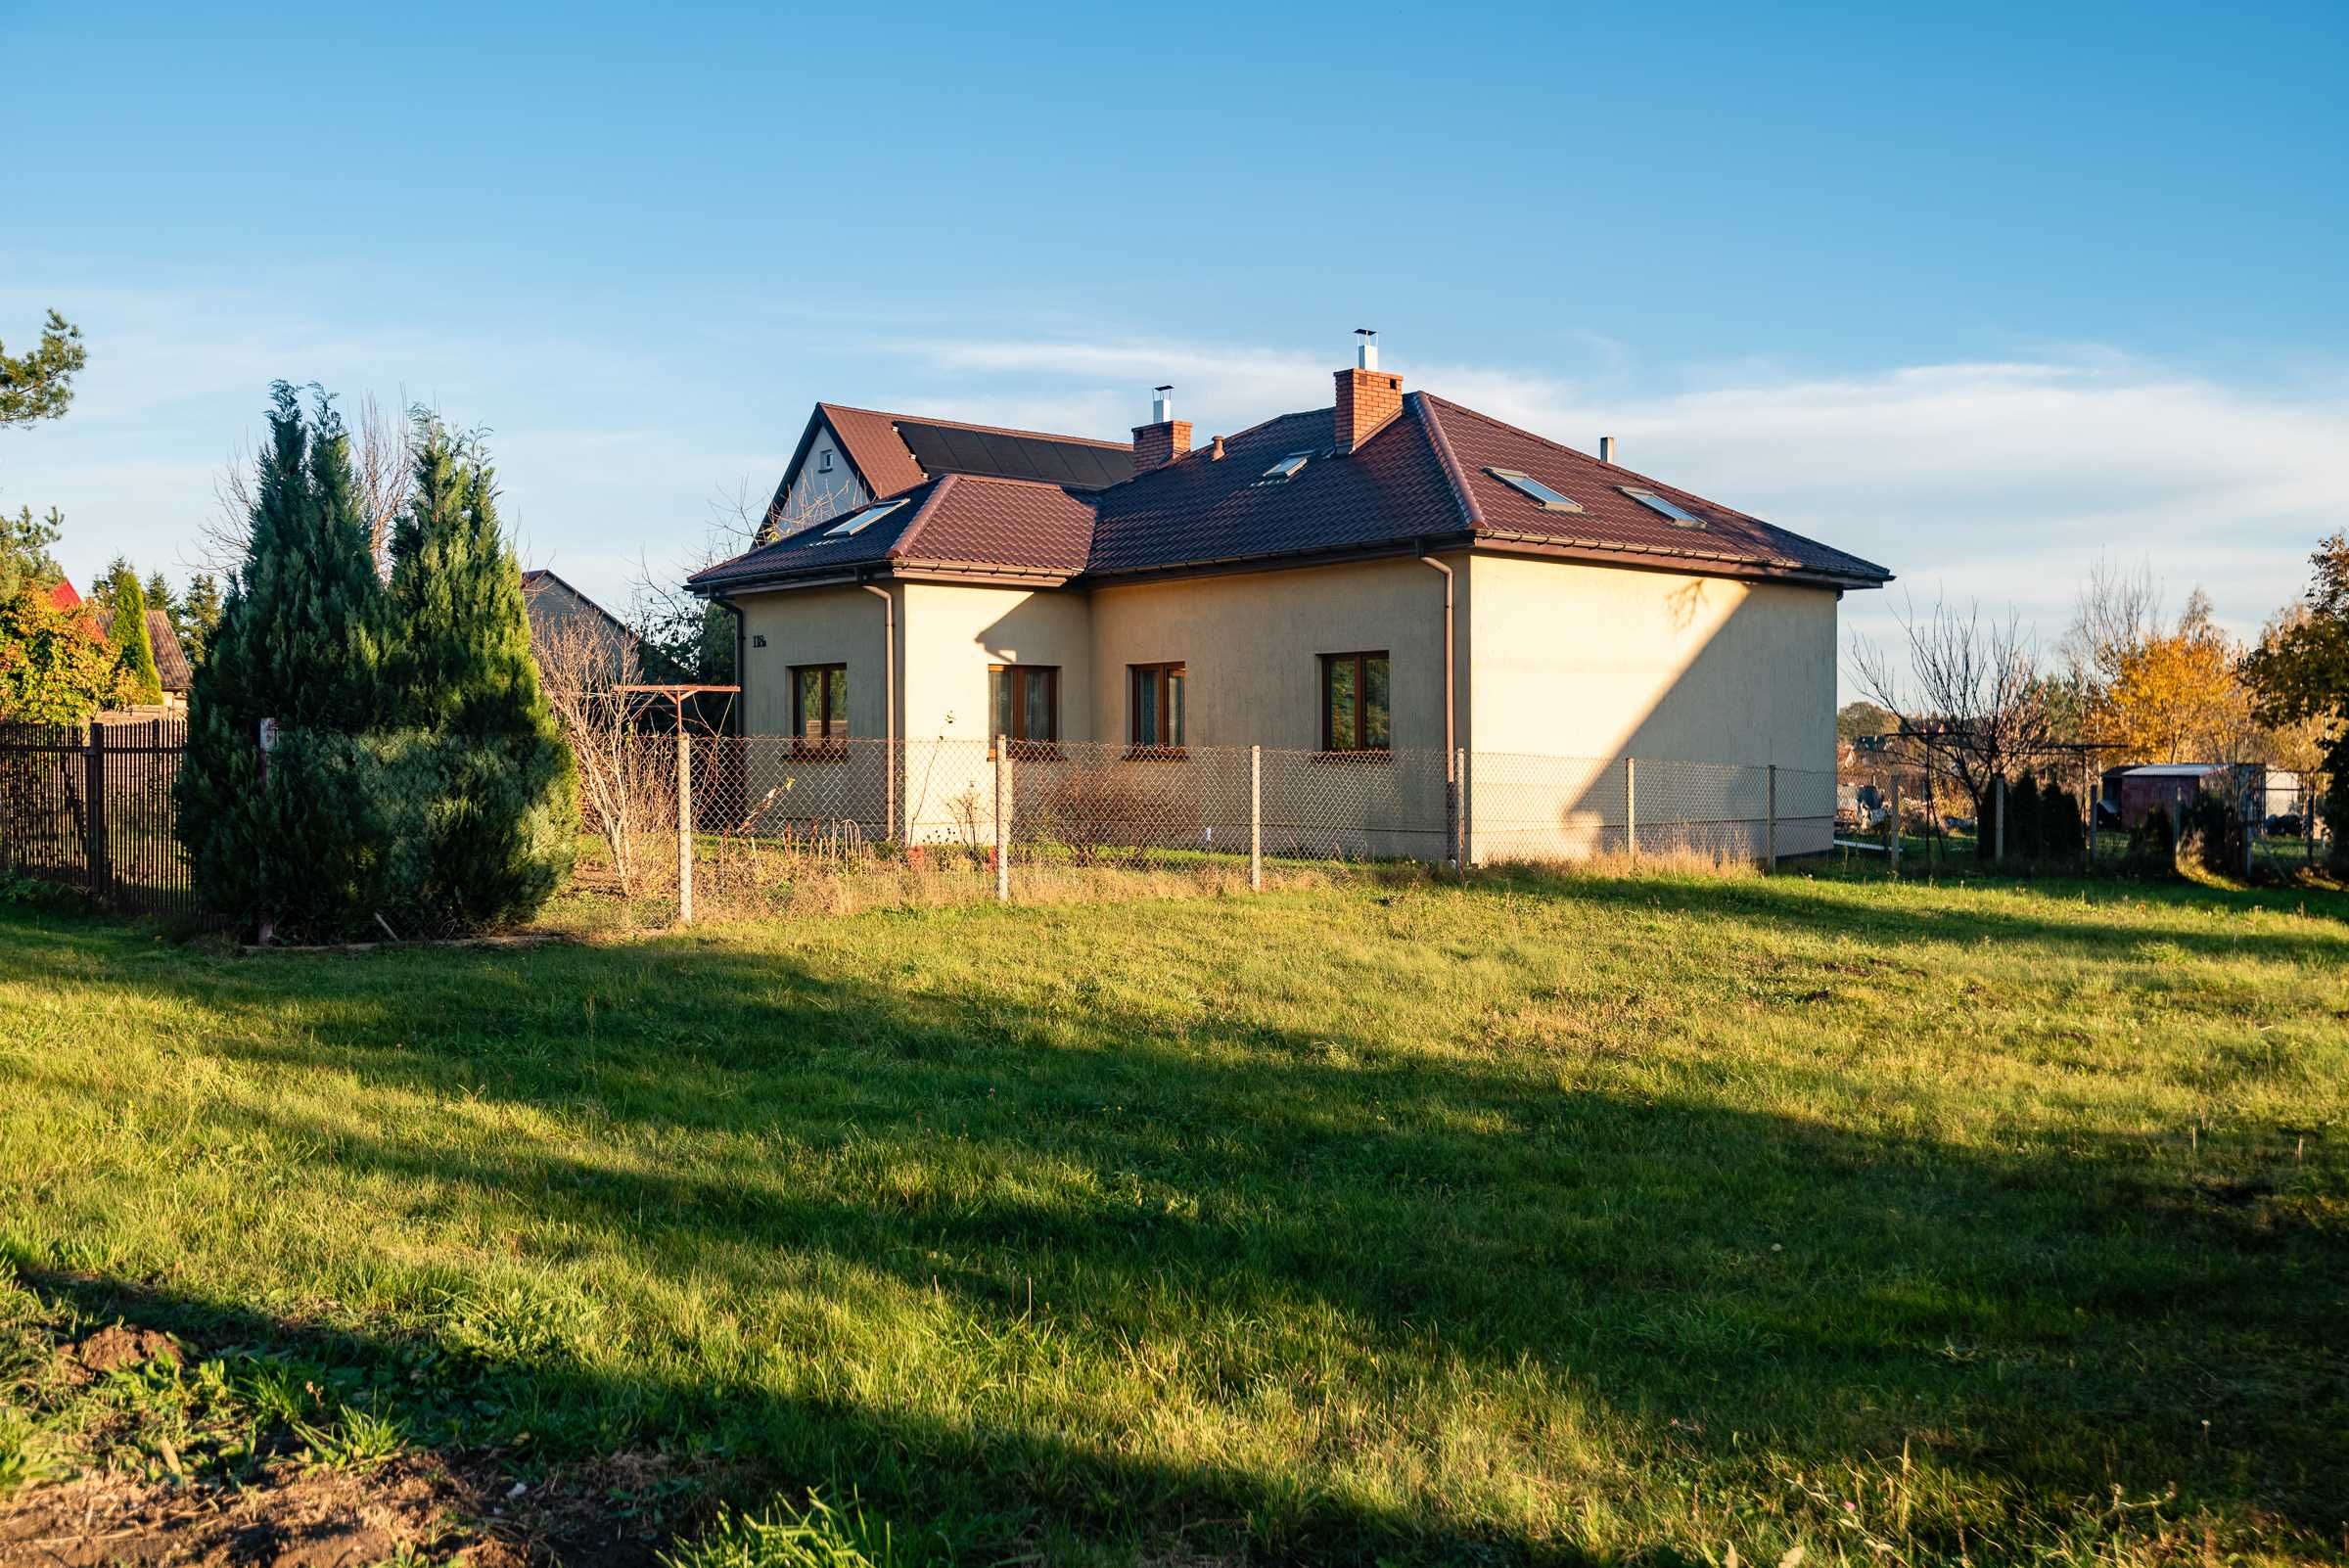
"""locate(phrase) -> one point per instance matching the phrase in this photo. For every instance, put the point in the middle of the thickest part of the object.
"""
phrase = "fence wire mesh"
(778, 823)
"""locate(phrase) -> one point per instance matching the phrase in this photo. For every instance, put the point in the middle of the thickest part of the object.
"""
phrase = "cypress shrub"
(2062, 834)
(134, 647)
(488, 831)
(2022, 820)
(2154, 847)
(291, 839)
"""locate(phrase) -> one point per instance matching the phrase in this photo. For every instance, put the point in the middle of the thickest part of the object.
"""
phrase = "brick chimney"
(1367, 397)
(1165, 437)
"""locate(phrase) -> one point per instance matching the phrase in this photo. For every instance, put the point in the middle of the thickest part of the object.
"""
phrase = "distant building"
(2172, 788)
(554, 603)
(171, 666)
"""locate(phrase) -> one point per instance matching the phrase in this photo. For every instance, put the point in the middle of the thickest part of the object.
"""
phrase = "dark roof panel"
(1021, 502)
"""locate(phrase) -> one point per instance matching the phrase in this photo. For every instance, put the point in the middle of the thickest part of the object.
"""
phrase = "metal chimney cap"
(1365, 352)
(1606, 448)
(1162, 403)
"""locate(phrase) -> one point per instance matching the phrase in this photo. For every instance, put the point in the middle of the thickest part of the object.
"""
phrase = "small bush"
(2214, 835)
(2152, 847)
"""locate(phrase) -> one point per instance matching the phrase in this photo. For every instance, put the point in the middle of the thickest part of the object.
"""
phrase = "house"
(1389, 573)
(555, 607)
(171, 666)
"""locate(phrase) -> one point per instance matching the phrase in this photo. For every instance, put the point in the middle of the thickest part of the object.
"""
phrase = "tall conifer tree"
(133, 644)
(300, 642)
(499, 837)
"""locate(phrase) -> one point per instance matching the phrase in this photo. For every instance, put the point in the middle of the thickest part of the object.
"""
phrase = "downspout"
(1448, 740)
(1452, 781)
(738, 709)
(889, 698)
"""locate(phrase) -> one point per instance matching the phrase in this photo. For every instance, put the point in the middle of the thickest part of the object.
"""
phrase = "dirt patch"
(113, 1349)
(611, 1514)
(292, 1518)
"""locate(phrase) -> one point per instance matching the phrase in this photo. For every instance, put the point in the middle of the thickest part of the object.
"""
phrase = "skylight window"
(1662, 508)
(860, 522)
(1526, 485)
(1287, 469)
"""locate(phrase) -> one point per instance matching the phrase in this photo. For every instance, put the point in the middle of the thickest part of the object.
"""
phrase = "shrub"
(2152, 847)
(2213, 834)
(494, 838)
(299, 643)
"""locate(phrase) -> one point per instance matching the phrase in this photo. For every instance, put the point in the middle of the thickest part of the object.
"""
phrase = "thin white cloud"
(1999, 480)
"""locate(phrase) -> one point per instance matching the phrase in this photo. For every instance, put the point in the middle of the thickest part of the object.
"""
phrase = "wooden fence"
(92, 808)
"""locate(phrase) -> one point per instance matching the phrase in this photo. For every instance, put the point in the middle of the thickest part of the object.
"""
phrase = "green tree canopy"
(38, 384)
(461, 669)
(127, 634)
(288, 837)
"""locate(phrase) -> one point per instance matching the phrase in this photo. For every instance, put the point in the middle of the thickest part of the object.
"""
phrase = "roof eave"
(1702, 562)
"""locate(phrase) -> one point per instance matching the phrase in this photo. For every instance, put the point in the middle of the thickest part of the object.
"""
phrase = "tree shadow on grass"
(1200, 1214)
(1998, 913)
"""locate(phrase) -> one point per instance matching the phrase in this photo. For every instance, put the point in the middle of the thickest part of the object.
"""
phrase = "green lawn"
(1623, 1219)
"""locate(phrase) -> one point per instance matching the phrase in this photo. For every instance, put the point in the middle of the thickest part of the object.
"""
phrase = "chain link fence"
(781, 822)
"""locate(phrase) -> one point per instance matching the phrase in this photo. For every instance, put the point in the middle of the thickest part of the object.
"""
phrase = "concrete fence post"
(1459, 812)
(1997, 807)
(684, 827)
(1769, 826)
(1002, 820)
(1255, 819)
(1630, 807)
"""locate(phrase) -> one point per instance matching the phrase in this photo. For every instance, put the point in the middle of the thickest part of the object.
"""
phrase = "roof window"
(860, 522)
(1526, 485)
(1661, 507)
(1287, 469)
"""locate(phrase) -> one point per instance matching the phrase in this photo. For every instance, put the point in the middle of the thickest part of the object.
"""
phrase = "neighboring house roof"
(63, 596)
(170, 660)
(1421, 479)
(2174, 770)
(538, 582)
(894, 453)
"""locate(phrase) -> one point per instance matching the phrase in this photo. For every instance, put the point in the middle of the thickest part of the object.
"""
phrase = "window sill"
(819, 750)
(1030, 752)
(1157, 753)
(1364, 754)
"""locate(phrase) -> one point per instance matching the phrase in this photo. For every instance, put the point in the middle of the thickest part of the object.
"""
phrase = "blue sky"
(1980, 295)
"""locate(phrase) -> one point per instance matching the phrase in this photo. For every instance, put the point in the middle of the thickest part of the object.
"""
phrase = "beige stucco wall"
(1253, 643)
(833, 626)
(1704, 681)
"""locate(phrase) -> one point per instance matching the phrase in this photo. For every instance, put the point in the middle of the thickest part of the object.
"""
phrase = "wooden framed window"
(1024, 704)
(819, 708)
(1154, 708)
(1354, 715)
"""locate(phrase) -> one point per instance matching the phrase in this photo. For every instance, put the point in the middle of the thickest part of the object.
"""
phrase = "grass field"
(1594, 1219)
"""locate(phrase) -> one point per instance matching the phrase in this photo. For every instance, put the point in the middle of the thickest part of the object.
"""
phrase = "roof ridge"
(990, 430)
(1431, 422)
(921, 514)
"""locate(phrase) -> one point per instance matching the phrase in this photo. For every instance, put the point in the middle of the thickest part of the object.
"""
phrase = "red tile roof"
(894, 453)
(1422, 479)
